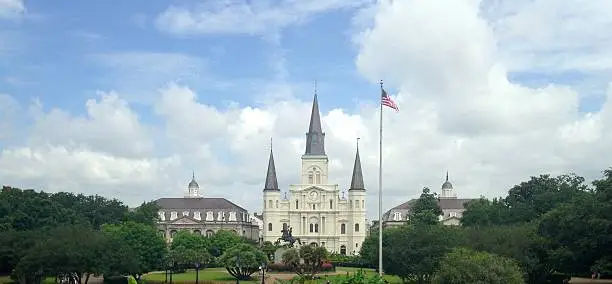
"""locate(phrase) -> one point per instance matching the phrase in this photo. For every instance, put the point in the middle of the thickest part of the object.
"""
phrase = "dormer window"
(209, 216)
(162, 215)
(220, 216)
(197, 216)
(185, 213)
(173, 215)
(397, 216)
(232, 216)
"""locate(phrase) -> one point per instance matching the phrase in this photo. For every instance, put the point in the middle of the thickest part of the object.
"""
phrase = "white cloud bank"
(459, 113)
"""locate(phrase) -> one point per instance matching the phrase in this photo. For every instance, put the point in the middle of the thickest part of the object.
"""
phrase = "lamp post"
(263, 272)
(237, 269)
(171, 268)
(197, 267)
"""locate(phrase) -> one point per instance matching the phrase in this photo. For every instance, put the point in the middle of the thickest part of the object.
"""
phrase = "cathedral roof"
(193, 183)
(315, 138)
(447, 184)
(271, 180)
(197, 203)
(357, 179)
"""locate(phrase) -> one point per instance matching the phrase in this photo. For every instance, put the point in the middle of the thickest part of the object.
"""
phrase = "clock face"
(313, 195)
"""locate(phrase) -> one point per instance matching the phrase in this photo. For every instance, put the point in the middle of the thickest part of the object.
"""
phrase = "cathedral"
(315, 212)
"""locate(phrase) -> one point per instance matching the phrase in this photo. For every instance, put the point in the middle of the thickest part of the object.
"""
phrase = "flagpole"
(380, 221)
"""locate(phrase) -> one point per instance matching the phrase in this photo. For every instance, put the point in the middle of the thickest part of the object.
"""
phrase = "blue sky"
(127, 98)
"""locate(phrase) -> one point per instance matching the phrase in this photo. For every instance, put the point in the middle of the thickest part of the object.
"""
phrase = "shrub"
(115, 280)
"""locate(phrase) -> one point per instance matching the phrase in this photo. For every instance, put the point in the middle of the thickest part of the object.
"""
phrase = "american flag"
(387, 101)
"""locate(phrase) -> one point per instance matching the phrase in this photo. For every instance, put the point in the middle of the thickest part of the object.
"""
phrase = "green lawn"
(7, 279)
(221, 275)
(211, 274)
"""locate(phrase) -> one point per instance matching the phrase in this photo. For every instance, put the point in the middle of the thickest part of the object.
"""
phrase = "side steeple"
(357, 179)
(315, 138)
(271, 181)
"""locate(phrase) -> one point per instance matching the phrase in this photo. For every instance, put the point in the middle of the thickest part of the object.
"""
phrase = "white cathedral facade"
(315, 209)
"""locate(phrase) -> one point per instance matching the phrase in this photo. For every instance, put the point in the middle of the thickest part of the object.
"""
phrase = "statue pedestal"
(278, 255)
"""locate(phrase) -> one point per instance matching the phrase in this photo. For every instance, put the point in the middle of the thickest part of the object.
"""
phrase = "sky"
(126, 98)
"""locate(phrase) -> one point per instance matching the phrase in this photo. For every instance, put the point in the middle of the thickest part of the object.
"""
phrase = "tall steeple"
(271, 181)
(315, 138)
(357, 179)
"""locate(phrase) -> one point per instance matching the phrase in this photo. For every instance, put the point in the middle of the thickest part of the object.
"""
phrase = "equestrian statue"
(288, 237)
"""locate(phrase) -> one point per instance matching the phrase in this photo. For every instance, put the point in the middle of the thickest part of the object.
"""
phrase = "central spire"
(357, 180)
(315, 138)
(271, 180)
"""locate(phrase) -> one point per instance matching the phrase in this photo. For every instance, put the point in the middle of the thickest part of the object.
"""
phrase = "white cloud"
(244, 17)
(459, 112)
(11, 8)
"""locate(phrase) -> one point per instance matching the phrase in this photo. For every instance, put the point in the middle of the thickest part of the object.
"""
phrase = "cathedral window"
(270, 204)
(318, 177)
(276, 203)
(297, 204)
(314, 207)
(209, 216)
(356, 227)
(363, 204)
(316, 228)
(351, 204)
(196, 215)
(185, 213)
(397, 216)
(232, 216)
(269, 227)
(312, 228)
(310, 178)
(323, 224)
(331, 204)
(343, 250)
(343, 229)
(357, 204)
(173, 215)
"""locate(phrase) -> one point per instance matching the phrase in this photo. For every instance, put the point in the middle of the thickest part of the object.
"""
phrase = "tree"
(223, 240)
(307, 261)
(269, 249)
(426, 209)
(520, 242)
(144, 242)
(146, 213)
(242, 260)
(184, 258)
(414, 251)
(190, 241)
(468, 266)
(483, 212)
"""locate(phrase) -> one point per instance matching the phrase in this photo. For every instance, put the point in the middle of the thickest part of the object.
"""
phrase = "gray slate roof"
(315, 138)
(271, 180)
(357, 179)
(197, 203)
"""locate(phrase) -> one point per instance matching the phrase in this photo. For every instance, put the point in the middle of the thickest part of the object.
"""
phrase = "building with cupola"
(203, 215)
(451, 206)
(318, 211)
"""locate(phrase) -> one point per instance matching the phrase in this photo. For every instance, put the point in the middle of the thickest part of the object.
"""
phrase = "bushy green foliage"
(242, 260)
(467, 266)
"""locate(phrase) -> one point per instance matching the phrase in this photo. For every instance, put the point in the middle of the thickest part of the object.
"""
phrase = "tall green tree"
(144, 242)
(426, 209)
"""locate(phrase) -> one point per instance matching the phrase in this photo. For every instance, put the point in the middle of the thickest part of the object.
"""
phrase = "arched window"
(343, 250)
(318, 178)
(270, 204)
(310, 178)
(312, 228)
(351, 204)
(343, 229)
(197, 232)
(209, 233)
(276, 203)
(356, 227)
(269, 227)
(331, 204)
(172, 233)
(316, 228)
(297, 204)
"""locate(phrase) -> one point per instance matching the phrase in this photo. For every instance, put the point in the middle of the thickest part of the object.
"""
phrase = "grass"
(220, 275)
(210, 274)
(7, 279)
